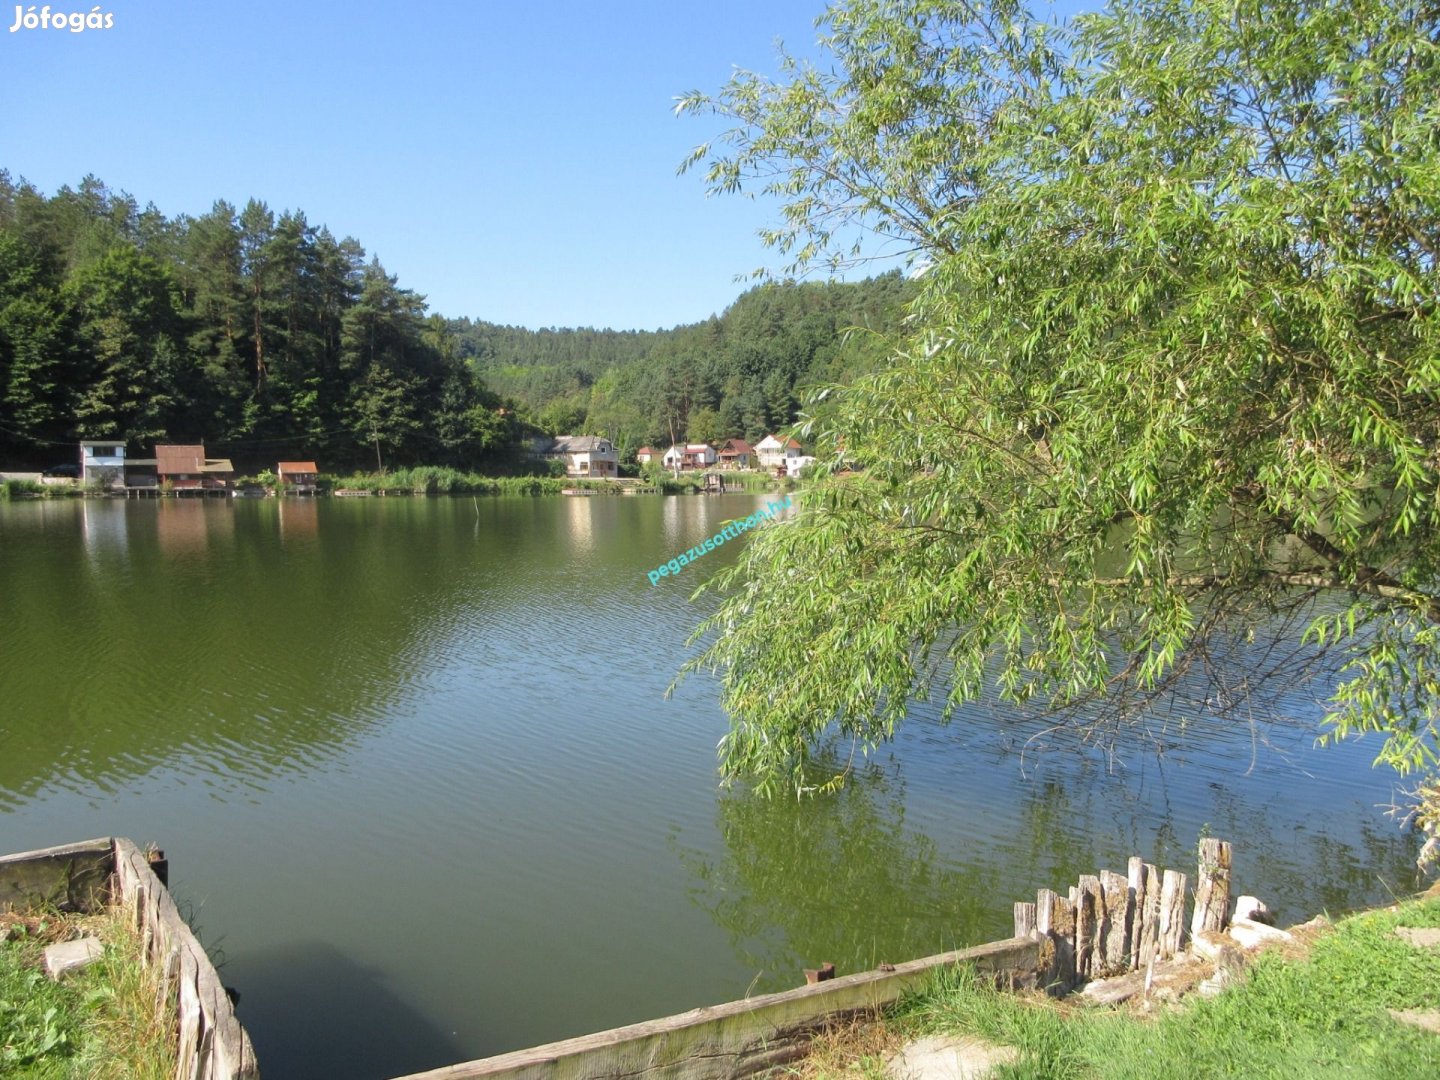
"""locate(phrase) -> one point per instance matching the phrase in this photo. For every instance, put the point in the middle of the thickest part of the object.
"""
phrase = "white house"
(102, 461)
(777, 453)
(795, 466)
(586, 456)
(690, 456)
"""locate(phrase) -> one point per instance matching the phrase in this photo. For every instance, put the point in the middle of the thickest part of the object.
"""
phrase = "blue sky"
(512, 162)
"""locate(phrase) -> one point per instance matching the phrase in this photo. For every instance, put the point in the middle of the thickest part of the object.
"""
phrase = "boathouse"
(102, 462)
(184, 470)
(297, 477)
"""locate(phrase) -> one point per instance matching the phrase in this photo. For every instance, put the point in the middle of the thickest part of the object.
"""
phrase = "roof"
(102, 442)
(578, 444)
(217, 465)
(735, 447)
(696, 447)
(298, 466)
(644, 450)
(178, 458)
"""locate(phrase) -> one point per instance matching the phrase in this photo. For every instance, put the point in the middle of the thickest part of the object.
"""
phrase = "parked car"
(71, 471)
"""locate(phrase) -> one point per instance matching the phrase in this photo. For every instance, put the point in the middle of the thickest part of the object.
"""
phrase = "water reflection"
(104, 531)
(936, 864)
(193, 526)
(299, 519)
(789, 875)
(185, 633)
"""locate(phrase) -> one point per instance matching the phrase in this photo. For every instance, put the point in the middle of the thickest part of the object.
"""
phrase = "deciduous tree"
(1173, 375)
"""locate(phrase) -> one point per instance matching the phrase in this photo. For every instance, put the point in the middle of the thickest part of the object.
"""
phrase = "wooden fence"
(97, 873)
(1107, 924)
(1111, 924)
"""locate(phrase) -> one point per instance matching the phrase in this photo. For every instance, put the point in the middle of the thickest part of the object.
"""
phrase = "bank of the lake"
(413, 765)
(1359, 998)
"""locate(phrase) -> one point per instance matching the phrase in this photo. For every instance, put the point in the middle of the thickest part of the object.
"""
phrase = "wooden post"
(1055, 918)
(1089, 919)
(1135, 885)
(1172, 914)
(1150, 918)
(1024, 919)
(159, 865)
(824, 973)
(1119, 914)
(1212, 887)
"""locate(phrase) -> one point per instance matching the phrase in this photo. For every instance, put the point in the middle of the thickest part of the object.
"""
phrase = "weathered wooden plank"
(165, 994)
(1172, 914)
(739, 1038)
(72, 877)
(189, 1018)
(1119, 911)
(1212, 887)
(1024, 919)
(1150, 916)
(1135, 883)
(1055, 919)
(213, 1044)
(1089, 912)
(92, 874)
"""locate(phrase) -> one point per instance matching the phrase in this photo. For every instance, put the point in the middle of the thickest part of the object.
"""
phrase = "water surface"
(418, 782)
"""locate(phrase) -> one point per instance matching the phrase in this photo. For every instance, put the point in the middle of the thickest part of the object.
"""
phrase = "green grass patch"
(13, 489)
(1320, 1016)
(436, 480)
(103, 1023)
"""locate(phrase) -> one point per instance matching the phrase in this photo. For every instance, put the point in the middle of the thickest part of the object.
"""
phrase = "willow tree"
(1172, 376)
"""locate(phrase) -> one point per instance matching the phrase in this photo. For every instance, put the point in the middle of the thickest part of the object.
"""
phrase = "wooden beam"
(1024, 919)
(71, 877)
(1119, 913)
(1172, 914)
(1212, 888)
(739, 1038)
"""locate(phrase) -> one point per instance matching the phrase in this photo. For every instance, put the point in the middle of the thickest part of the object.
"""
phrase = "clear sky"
(514, 162)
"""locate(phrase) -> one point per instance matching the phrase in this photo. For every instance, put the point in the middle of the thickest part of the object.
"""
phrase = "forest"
(266, 337)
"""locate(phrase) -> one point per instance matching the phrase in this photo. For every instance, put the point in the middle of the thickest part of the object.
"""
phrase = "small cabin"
(297, 477)
(184, 469)
(736, 454)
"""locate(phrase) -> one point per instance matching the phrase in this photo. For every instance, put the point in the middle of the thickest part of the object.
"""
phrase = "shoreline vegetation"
(440, 480)
(100, 1023)
(1348, 1004)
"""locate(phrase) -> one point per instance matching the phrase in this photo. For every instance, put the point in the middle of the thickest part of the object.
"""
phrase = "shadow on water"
(351, 1024)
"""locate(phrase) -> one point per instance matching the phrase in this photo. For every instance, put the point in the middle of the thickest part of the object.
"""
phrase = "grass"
(106, 1022)
(437, 480)
(11, 489)
(1317, 1016)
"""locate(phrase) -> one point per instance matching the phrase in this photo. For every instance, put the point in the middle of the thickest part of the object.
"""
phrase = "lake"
(420, 788)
